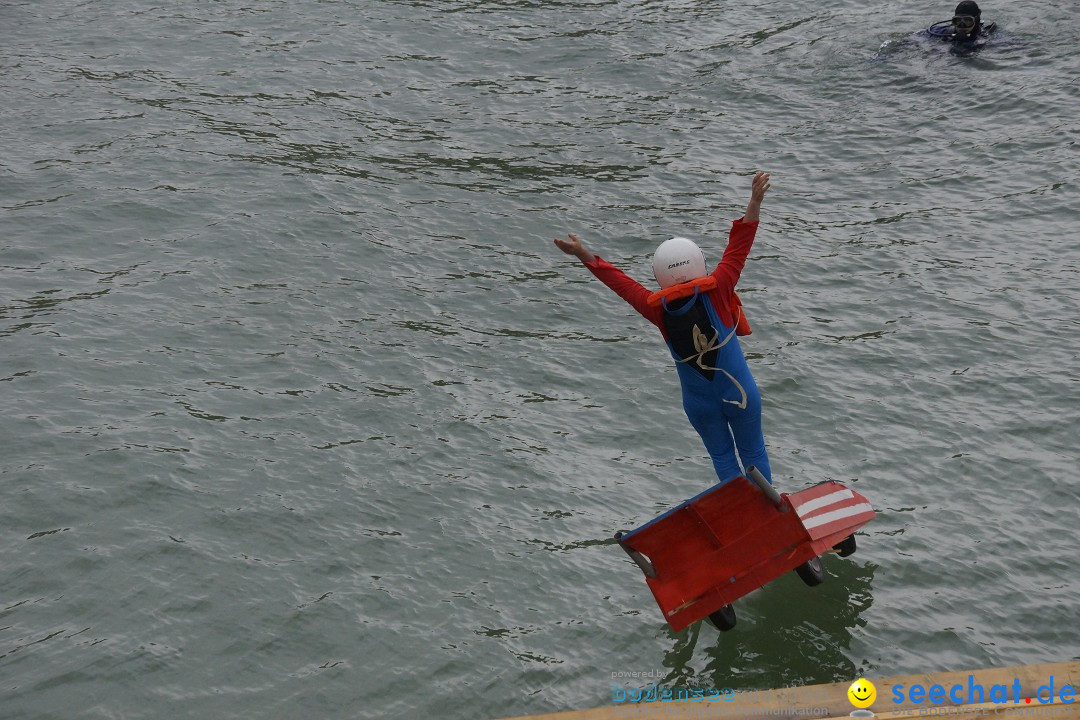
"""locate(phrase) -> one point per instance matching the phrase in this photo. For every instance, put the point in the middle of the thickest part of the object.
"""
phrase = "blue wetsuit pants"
(726, 412)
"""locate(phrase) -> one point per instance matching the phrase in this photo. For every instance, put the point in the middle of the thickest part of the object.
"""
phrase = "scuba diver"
(965, 31)
(963, 34)
(700, 315)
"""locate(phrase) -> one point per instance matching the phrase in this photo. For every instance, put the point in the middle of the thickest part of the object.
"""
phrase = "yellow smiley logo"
(862, 693)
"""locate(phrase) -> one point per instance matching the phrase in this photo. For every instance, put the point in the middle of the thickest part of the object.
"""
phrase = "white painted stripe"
(825, 500)
(840, 514)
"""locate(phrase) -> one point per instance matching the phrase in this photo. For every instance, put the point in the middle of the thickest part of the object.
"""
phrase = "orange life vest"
(702, 285)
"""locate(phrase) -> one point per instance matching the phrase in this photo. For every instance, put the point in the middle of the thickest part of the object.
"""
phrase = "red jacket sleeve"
(740, 240)
(625, 287)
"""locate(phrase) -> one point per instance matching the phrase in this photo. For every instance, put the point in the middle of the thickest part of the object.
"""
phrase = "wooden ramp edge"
(811, 702)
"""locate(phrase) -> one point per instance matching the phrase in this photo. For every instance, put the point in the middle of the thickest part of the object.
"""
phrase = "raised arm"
(758, 188)
(575, 247)
(742, 235)
(624, 286)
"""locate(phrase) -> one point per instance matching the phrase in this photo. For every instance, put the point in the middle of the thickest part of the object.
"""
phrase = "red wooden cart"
(737, 536)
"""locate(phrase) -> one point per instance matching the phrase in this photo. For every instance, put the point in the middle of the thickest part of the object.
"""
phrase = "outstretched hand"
(574, 247)
(758, 188)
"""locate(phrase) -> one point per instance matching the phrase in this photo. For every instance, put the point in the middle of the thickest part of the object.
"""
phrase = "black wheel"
(723, 619)
(811, 572)
(845, 547)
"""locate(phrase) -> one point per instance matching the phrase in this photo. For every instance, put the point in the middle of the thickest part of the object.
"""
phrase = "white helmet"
(677, 260)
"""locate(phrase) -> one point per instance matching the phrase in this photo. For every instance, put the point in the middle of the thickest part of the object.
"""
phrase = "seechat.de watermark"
(974, 692)
(977, 696)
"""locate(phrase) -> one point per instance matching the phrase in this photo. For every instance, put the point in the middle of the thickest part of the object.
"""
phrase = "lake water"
(305, 416)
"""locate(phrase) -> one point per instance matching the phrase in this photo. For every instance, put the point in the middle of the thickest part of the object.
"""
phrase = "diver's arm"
(624, 286)
(575, 247)
(758, 188)
(741, 238)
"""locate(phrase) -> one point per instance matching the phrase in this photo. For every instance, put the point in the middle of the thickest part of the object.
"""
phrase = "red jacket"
(727, 273)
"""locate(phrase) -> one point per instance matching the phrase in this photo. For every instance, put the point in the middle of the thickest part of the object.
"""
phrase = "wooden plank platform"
(831, 701)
